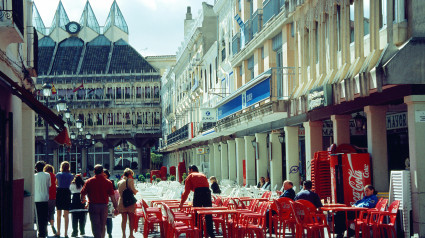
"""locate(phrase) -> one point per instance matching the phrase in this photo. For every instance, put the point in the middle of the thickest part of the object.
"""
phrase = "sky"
(155, 26)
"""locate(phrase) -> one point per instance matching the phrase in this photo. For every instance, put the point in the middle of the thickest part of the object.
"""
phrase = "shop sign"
(201, 150)
(328, 129)
(397, 121)
(208, 115)
(319, 97)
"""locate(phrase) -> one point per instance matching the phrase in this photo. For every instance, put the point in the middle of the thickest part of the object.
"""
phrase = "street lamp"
(61, 105)
(67, 114)
(79, 124)
(47, 92)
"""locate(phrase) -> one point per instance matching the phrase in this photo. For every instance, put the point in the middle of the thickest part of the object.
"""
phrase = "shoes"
(74, 234)
(110, 235)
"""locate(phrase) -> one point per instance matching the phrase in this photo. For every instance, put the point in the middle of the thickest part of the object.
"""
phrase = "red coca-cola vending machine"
(350, 172)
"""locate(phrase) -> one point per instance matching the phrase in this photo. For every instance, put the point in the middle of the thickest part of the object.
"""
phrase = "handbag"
(128, 198)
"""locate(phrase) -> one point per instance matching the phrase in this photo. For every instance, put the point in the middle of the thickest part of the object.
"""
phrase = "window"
(382, 13)
(317, 42)
(366, 16)
(338, 27)
(223, 54)
(210, 76)
(351, 23)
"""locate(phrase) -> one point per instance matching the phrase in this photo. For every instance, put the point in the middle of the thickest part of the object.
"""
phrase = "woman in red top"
(52, 195)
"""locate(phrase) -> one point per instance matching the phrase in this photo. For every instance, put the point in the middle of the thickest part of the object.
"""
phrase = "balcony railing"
(236, 43)
(178, 135)
(195, 85)
(257, 21)
(247, 31)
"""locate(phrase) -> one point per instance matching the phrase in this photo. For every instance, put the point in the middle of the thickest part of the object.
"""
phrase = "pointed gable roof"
(37, 21)
(88, 19)
(60, 19)
(115, 18)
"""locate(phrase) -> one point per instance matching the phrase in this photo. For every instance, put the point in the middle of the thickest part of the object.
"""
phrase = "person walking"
(78, 210)
(98, 188)
(63, 196)
(41, 197)
(110, 206)
(127, 181)
(198, 183)
(52, 195)
(214, 185)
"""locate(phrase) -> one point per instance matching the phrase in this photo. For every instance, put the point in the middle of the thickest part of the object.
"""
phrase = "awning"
(50, 117)
(407, 65)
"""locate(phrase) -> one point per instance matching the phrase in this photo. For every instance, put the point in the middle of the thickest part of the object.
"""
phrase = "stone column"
(416, 127)
(111, 160)
(262, 160)
(240, 156)
(276, 161)
(292, 155)
(28, 142)
(83, 160)
(377, 145)
(211, 160)
(231, 148)
(250, 160)
(56, 163)
(139, 159)
(224, 161)
(217, 161)
(313, 142)
(341, 129)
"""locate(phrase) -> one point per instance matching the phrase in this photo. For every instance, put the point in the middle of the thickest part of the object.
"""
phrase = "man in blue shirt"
(307, 194)
(369, 200)
(288, 190)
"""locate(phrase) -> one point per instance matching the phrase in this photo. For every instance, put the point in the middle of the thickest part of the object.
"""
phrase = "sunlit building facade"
(300, 76)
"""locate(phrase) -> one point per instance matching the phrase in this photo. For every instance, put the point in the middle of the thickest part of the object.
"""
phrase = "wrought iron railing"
(236, 43)
(257, 21)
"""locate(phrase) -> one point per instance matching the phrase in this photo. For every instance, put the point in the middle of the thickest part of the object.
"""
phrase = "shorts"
(63, 199)
(51, 209)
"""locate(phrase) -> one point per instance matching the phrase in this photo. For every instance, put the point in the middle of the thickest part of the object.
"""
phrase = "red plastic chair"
(314, 223)
(387, 229)
(252, 223)
(175, 226)
(284, 217)
(365, 219)
(151, 218)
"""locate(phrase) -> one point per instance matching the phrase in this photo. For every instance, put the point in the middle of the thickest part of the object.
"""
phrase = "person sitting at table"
(369, 200)
(198, 183)
(214, 185)
(307, 194)
(261, 183)
(267, 185)
(288, 193)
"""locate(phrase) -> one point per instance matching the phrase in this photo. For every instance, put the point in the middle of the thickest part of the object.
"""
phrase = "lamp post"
(47, 92)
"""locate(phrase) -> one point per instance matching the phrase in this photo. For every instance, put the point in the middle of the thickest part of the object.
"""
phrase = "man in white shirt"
(41, 197)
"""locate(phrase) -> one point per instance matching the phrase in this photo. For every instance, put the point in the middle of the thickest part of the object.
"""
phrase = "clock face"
(73, 27)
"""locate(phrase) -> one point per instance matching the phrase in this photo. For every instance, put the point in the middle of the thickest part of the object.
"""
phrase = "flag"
(78, 88)
(53, 89)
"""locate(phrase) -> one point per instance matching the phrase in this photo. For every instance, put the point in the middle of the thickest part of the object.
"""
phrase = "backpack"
(128, 198)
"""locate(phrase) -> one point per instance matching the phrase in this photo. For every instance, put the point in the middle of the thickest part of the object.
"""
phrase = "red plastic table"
(334, 209)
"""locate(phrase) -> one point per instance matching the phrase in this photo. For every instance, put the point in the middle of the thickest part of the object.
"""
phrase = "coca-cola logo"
(366, 171)
(355, 180)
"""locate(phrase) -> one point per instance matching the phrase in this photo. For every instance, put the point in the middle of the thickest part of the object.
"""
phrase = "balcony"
(179, 135)
(236, 43)
(11, 25)
(271, 8)
(195, 85)
(247, 32)
(257, 21)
